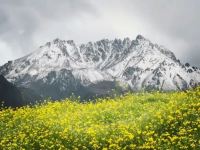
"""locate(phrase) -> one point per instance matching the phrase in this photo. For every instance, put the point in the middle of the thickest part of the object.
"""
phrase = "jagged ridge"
(61, 67)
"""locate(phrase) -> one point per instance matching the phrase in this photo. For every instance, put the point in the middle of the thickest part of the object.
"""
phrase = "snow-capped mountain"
(61, 67)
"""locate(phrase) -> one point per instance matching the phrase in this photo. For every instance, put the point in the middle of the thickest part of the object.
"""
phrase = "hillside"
(10, 95)
(13, 96)
(133, 121)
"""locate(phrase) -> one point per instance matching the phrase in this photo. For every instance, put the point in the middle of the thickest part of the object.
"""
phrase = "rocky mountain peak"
(140, 37)
(57, 40)
(71, 42)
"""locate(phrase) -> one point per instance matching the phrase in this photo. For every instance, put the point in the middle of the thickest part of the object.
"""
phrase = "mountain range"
(60, 68)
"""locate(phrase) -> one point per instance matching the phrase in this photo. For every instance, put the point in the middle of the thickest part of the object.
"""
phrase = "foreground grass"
(133, 121)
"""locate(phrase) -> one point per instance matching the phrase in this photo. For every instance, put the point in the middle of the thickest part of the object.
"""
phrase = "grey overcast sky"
(27, 24)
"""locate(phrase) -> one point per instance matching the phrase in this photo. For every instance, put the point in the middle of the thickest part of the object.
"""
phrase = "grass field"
(133, 121)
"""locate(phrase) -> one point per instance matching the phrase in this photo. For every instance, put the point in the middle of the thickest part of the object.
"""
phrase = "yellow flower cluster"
(154, 120)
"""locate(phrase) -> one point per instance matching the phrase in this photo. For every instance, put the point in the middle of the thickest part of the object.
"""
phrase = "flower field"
(133, 121)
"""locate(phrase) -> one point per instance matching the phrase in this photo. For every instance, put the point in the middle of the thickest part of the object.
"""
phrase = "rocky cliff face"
(61, 67)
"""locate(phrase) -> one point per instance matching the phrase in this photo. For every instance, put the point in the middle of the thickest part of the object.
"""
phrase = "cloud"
(7, 55)
(25, 25)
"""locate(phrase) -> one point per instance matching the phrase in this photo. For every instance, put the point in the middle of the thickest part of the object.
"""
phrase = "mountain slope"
(9, 94)
(61, 67)
(12, 96)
